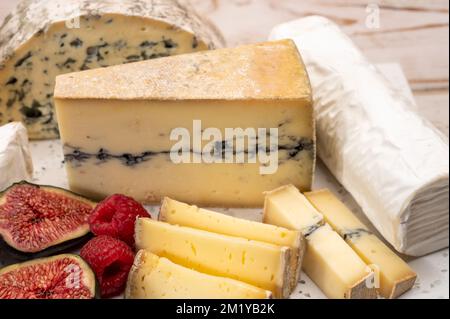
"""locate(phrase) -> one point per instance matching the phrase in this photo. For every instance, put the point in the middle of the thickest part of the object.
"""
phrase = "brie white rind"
(393, 162)
(15, 157)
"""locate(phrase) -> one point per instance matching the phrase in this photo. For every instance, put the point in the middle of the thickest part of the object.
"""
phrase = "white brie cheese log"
(393, 162)
(15, 157)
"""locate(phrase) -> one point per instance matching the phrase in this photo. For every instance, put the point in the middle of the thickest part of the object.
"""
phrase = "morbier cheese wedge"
(329, 261)
(117, 126)
(15, 157)
(395, 276)
(44, 38)
(153, 277)
(260, 264)
(177, 213)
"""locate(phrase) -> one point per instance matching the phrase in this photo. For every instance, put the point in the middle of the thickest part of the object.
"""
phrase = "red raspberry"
(116, 216)
(111, 261)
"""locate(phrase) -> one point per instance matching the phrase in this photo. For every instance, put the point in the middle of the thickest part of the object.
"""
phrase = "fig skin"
(75, 236)
(55, 270)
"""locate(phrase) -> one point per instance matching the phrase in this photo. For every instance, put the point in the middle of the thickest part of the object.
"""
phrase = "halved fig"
(59, 277)
(39, 221)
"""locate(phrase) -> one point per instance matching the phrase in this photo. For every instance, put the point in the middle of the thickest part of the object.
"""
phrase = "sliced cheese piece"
(287, 207)
(153, 277)
(44, 38)
(335, 268)
(329, 261)
(177, 213)
(395, 276)
(260, 264)
(15, 157)
(117, 126)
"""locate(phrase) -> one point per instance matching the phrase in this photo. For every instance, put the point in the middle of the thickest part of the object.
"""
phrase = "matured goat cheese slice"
(43, 38)
(15, 157)
(394, 276)
(260, 264)
(329, 261)
(393, 162)
(121, 126)
(177, 213)
(153, 277)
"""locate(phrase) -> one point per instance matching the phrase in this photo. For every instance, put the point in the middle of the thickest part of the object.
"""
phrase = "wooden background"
(413, 33)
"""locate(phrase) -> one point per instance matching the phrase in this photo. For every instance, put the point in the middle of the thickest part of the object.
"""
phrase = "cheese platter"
(316, 189)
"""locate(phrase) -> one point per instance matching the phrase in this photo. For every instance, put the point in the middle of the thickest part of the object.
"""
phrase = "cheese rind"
(61, 36)
(116, 125)
(395, 276)
(336, 269)
(153, 277)
(177, 213)
(260, 264)
(15, 157)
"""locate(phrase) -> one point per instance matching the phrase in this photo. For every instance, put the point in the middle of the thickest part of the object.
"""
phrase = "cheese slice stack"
(44, 38)
(153, 277)
(15, 156)
(116, 125)
(394, 276)
(333, 266)
(260, 264)
(177, 213)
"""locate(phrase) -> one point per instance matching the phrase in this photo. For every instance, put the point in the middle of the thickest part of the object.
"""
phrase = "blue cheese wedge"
(15, 157)
(329, 261)
(395, 277)
(41, 39)
(153, 277)
(117, 126)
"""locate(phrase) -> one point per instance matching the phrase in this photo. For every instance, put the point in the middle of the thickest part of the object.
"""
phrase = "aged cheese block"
(153, 277)
(177, 213)
(15, 157)
(329, 261)
(260, 264)
(393, 162)
(215, 128)
(394, 276)
(43, 38)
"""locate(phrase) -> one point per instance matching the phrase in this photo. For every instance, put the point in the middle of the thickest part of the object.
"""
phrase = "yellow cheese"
(177, 213)
(287, 207)
(260, 264)
(152, 277)
(116, 125)
(335, 268)
(395, 276)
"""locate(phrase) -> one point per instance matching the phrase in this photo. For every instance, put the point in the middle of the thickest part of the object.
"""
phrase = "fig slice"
(59, 277)
(39, 221)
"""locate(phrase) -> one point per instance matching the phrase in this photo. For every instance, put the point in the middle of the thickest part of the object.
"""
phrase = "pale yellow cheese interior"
(153, 277)
(395, 276)
(329, 261)
(260, 264)
(178, 213)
